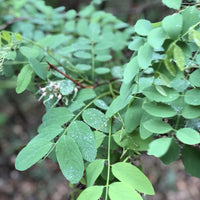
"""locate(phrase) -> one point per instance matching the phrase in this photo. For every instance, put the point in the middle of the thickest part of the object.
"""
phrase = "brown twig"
(76, 82)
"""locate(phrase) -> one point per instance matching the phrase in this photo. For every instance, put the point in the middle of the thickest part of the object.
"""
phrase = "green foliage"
(103, 109)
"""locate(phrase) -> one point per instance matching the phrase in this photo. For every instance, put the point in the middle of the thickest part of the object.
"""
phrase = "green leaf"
(102, 70)
(83, 67)
(133, 116)
(93, 171)
(121, 190)
(99, 137)
(38, 68)
(57, 116)
(66, 87)
(18, 36)
(156, 37)
(190, 17)
(103, 58)
(85, 94)
(159, 109)
(170, 67)
(71, 14)
(101, 104)
(191, 160)
(152, 94)
(172, 154)
(196, 37)
(172, 25)
(29, 52)
(83, 136)
(131, 175)
(49, 132)
(83, 55)
(131, 140)
(194, 78)
(145, 54)
(24, 78)
(179, 58)
(191, 112)
(159, 146)
(143, 27)
(157, 126)
(161, 90)
(32, 153)
(136, 43)
(188, 136)
(192, 97)
(69, 159)
(132, 68)
(91, 193)
(96, 119)
(175, 4)
(144, 133)
(82, 26)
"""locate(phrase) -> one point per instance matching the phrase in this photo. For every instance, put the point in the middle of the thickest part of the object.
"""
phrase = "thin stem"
(109, 165)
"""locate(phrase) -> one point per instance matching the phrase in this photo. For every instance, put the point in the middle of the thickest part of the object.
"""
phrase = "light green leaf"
(188, 136)
(192, 97)
(83, 67)
(18, 36)
(172, 25)
(132, 68)
(96, 119)
(170, 67)
(24, 78)
(49, 132)
(83, 55)
(83, 136)
(161, 90)
(131, 175)
(159, 109)
(195, 78)
(159, 146)
(156, 37)
(136, 43)
(121, 190)
(175, 4)
(101, 104)
(196, 37)
(152, 94)
(179, 58)
(157, 126)
(143, 27)
(102, 70)
(145, 54)
(99, 137)
(32, 153)
(103, 58)
(69, 159)
(71, 14)
(85, 94)
(131, 140)
(93, 171)
(191, 112)
(91, 193)
(190, 17)
(191, 160)
(57, 116)
(29, 52)
(133, 116)
(66, 87)
(39, 69)
(82, 26)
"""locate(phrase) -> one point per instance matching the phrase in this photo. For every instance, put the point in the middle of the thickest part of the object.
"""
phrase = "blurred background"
(20, 115)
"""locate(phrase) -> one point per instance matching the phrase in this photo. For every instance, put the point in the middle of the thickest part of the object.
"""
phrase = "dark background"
(20, 115)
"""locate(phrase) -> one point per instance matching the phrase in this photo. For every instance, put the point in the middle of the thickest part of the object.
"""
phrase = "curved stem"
(109, 165)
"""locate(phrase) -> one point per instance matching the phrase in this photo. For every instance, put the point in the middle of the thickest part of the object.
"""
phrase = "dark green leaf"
(191, 160)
